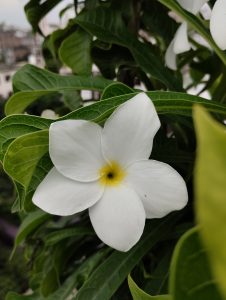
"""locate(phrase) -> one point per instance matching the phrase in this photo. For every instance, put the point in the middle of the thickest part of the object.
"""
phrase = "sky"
(12, 13)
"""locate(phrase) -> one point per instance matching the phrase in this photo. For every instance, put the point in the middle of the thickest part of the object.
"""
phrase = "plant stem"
(194, 22)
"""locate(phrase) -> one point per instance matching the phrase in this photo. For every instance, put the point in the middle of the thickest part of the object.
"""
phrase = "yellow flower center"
(111, 174)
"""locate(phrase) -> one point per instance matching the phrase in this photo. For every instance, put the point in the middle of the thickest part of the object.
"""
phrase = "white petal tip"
(218, 23)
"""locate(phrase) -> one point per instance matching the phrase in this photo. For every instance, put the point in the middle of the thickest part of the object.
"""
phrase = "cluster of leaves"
(65, 259)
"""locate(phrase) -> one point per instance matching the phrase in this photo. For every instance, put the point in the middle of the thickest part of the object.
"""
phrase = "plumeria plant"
(119, 194)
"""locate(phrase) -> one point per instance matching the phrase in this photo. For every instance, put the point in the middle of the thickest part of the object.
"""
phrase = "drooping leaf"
(36, 9)
(139, 294)
(210, 190)
(190, 275)
(75, 52)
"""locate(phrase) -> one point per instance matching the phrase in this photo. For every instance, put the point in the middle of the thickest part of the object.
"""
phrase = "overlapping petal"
(160, 187)
(218, 23)
(62, 196)
(170, 57)
(118, 218)
(128, 133)
(192, 6)
(75, 149)
(181, 43)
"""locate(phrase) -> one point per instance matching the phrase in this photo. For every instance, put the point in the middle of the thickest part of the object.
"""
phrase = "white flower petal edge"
(192, 6)
(62, 196)
(197, 5)
(218, 23)
(170, 57)
(128, 133)
(75, 149)
(181, 43)
(161, 188)
(118, 218)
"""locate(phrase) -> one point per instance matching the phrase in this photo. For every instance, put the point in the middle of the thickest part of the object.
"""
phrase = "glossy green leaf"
(109, 275)
(31, 83)
(190, 275)
(75, 52)
(210, 190)
(107, 25)
(37, 82)
(23, 155)
(14, 126)
(116, 89)
(139, 294)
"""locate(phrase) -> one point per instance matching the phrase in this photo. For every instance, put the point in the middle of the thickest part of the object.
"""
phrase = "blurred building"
(17, 47)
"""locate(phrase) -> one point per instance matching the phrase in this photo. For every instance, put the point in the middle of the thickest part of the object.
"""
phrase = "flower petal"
(192, 6)
(118, 218)
(160, 187)
(170, 57)
(128, 133)
(181, 43)
(59, 195)
(218, 23)
(75, 149)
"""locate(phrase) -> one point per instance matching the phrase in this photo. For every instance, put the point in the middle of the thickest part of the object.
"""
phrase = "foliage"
(127, 41)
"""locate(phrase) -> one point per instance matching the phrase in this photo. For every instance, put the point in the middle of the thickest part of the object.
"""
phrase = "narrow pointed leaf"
(210, 190)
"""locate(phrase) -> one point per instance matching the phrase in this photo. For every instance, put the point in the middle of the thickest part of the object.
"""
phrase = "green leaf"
(139, 294)
(82, 273)
(14, 126)
(165, 103)
(33, 82)
(36, 9)
(75, 52)
(31, 78)
(210, 190)
(107, 25)
(113, 271)
(72, 100)
(157, 21)
(23, 155)
(59, 235)
(116, 89)
(15, 296)
(190, 275)
(29, 224)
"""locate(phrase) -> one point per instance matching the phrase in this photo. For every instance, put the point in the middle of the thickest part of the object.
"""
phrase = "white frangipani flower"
(108, 171)
(180, 42)
(218, 23)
